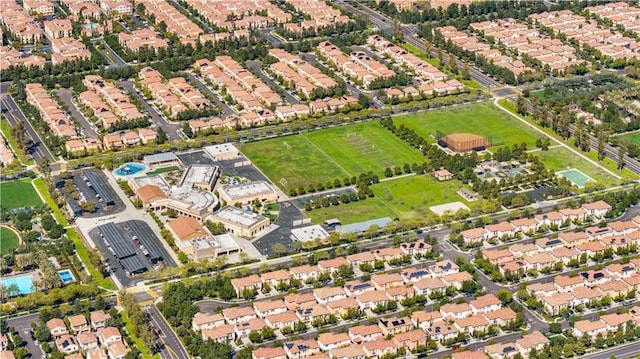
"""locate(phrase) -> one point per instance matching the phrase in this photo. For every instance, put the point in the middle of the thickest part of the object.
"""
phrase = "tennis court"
(577, 177)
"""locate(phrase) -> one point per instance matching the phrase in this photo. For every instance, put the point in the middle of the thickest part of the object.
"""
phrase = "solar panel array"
(133, 264)
(101, 186)
(122, 246)
(147, 238)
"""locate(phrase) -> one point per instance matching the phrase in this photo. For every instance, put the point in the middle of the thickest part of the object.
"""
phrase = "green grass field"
(632, 137)
(327, 154)
(558, 159)
(483, 119)
(353, 212)
(8, 240)
(16, 194)
(407, 197)
(412, 196)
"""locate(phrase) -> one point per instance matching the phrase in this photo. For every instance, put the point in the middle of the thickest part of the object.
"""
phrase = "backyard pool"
(129, 169)
(66, 276)
(24, 283)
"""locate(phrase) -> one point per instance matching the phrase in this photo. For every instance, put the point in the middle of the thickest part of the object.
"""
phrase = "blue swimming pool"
(66, 276)
(130, 168)
(23, 282)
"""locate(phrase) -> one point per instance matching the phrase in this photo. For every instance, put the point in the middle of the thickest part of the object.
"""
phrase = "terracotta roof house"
(57, 327)
(364, 333)
(269, 353)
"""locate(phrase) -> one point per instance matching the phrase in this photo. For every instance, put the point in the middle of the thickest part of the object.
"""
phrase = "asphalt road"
(167, 335)
(169, 128)
(66, 95)
(23, 326)
(257, 66)
(226, 109)
(623, 351)
(14, 115)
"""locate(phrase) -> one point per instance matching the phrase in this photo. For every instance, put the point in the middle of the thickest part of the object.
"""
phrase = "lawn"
(411, 197)
(482, 118)
(17, 194)
(82, 250)
(162, 170)
(370, 208)
(8, 240)
(560, 158)
(327, 154)
(632, 137)
(5, 127)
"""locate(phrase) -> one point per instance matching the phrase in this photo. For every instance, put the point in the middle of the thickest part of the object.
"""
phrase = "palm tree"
(13, 290)
(4, 293)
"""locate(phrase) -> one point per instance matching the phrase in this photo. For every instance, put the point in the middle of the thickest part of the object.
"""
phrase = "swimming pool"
(23, 282)
(129, 169)
(66, 276)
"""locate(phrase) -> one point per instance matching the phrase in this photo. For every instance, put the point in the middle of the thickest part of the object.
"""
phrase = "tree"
(45, 166)
(88, 206)
(453, 64)
(186, 129)
(363, 100)
(161, 136)
(603, 139)
(521, 105)
(623, 149)
(505, 296)
(398, 33)
(279, 249)
(428, 47)
(466, 72)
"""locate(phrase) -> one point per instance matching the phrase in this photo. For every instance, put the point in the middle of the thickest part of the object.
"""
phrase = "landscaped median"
(80, 247)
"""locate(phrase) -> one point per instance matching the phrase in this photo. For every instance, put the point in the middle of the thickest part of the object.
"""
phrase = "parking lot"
(250, 172)
(94, 187)
(130, 242)
(288, 214)
(195, 158)
(300, 201)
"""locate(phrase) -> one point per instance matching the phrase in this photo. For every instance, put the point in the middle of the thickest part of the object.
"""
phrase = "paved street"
(23, 326)
(169, 128)
(257, 66)
(226, 109)
(14, 115)
(88, 128)
(167, 335)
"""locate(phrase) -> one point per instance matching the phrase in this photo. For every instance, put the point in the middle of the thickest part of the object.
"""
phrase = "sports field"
(576, 177)
(407, 197)
(412, 196)
(16, 194)
(370, 208)
(560, 159)
(8, 240)
(482, 118)
(327, 154)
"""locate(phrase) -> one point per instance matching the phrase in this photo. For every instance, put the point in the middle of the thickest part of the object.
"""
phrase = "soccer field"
(329, 154)
(20, 193)
(482, 118)
(412, 196)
